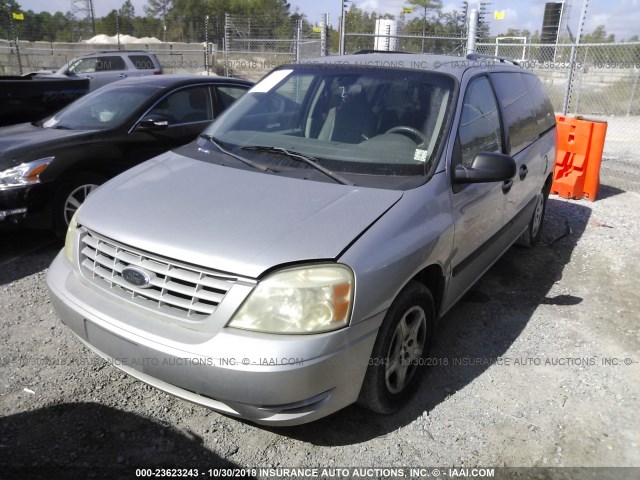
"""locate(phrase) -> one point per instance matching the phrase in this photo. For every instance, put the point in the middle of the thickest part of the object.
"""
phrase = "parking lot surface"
(537, 366)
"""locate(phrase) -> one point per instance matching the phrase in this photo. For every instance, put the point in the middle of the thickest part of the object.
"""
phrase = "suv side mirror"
(152, 123)
(486, 167)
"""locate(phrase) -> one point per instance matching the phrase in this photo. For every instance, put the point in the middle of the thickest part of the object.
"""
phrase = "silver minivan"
(296, 257)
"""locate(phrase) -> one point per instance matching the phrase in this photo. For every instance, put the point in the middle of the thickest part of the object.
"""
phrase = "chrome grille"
(175, 289)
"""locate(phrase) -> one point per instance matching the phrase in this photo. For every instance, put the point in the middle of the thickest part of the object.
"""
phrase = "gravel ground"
(538, 367)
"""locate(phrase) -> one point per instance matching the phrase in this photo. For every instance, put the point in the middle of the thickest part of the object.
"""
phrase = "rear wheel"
(397, 361)
(72, 193)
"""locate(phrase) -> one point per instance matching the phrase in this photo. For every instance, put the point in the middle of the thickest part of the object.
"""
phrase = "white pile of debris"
(124, 39)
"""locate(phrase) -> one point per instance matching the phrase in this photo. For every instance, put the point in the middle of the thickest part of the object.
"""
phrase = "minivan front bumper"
(268, 379)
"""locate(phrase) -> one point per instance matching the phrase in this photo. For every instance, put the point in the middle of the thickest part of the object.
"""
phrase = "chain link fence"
(252, 52)
(236, 46)
(596, 81)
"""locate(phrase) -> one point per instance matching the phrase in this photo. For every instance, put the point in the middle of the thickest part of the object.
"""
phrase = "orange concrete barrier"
(578, 157)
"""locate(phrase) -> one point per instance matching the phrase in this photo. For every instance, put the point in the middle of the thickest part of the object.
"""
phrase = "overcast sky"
(621, 17)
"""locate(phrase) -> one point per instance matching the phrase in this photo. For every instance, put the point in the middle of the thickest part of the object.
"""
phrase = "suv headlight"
(310, 299)
(25, 174)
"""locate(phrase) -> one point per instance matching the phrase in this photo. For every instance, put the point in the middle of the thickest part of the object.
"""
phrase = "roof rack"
(364, 52)
(116, 51)
(478, 56)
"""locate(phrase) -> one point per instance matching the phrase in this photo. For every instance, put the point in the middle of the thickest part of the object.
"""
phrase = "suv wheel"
(397, 361)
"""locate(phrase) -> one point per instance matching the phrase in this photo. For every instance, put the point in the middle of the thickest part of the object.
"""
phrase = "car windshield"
(105, 108)
(357, 120)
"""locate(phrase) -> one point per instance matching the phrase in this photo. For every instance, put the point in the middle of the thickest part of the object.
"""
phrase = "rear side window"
(142, 62)
(541, 104)
(515, 100)
(229, 94)
(479, 129)
(108, 64)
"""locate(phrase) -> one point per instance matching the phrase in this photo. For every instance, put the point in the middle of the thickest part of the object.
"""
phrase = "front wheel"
(398, 358)
(71, 194)
(533, 233)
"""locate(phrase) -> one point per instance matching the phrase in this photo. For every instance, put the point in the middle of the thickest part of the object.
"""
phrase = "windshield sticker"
(420, 155)
(271, 81)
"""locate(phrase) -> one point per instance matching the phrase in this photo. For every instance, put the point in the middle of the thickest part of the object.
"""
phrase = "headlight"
(25, 174)
(68, 239)
(311, 299)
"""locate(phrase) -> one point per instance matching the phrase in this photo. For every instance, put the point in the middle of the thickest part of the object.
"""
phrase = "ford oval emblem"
(136, 277)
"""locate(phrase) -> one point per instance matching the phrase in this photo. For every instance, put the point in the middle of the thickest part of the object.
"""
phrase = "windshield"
(350, 119)
(102, 109)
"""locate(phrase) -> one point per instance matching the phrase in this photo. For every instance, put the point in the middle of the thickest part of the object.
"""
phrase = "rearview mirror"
(486, 167)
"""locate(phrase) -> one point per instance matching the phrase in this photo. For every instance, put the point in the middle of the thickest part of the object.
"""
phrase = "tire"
(71, 194)
(534, 231)
(395, 370)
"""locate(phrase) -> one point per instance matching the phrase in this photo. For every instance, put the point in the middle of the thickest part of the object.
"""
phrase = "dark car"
(47, 168)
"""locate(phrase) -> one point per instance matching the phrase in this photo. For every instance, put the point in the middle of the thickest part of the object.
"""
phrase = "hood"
(26, 142)
(231, 220)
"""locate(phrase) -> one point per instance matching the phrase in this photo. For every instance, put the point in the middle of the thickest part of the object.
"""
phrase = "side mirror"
(486, 167)
(152, 123)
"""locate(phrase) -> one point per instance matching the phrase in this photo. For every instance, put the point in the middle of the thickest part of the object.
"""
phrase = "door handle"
(506, 186)
(122, 75)
(523, 172)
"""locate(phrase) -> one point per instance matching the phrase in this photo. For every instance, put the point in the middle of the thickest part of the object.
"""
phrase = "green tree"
(127, 10)
(7, 8)
(189, 15)
(126, 15)
(426, 5)
(62, 25)
(599, 35)
(158, 10)
(148, 27)
(360, 21)
(108, 25)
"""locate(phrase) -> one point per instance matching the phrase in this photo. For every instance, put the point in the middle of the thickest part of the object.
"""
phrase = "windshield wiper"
(302, 158)
(246, 161)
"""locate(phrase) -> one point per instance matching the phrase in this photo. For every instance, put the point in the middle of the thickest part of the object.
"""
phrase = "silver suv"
(109, 66)
(296, 257)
